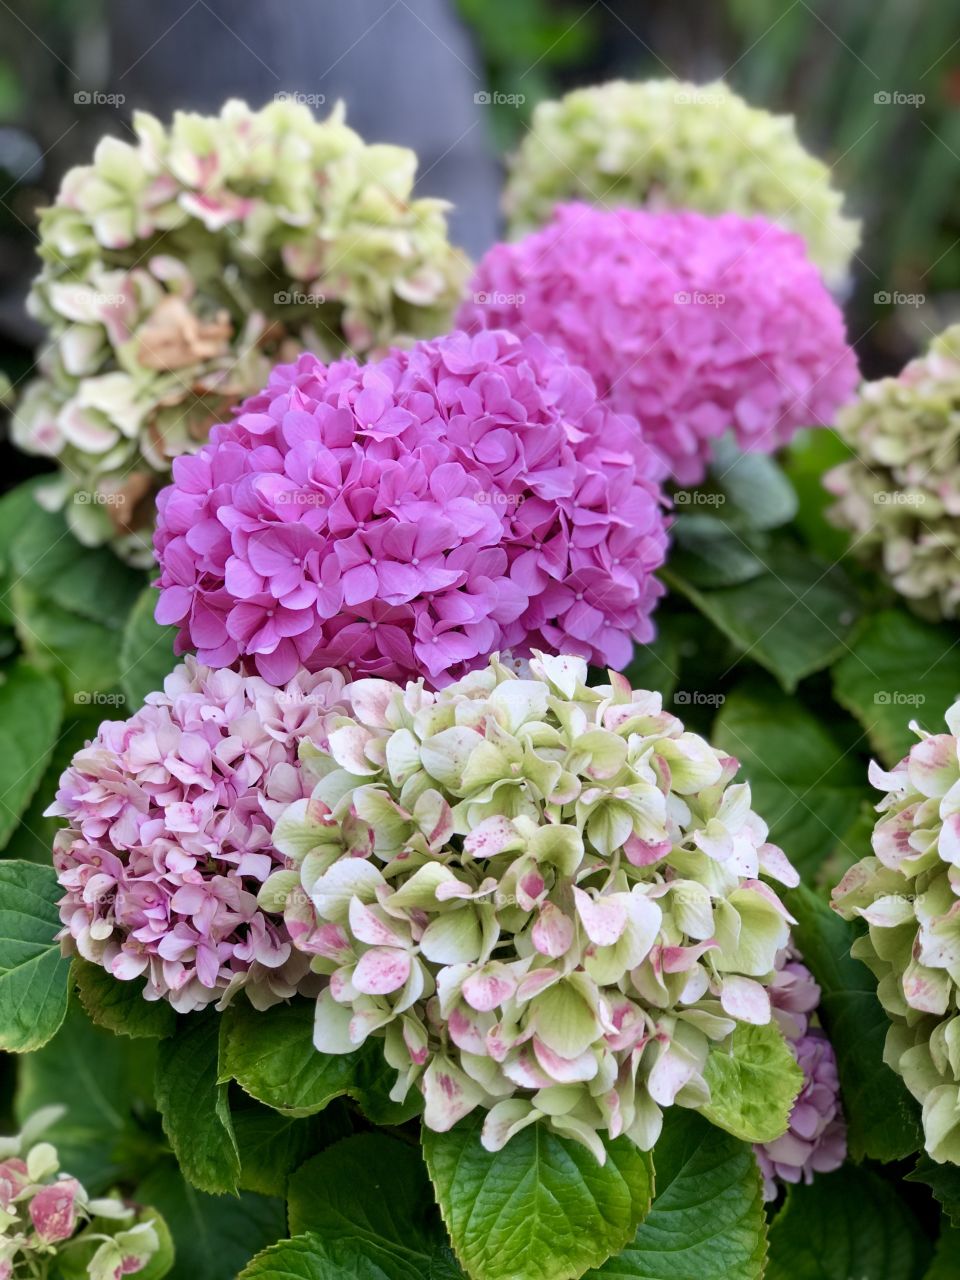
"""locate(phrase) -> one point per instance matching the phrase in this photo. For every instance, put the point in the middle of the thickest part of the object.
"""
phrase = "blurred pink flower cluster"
(816, 1141)
(413, 516)
(693, 324)
(170, 835)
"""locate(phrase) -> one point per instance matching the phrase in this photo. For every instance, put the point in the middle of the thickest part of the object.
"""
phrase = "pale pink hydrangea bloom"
(816, 1141)
(170, 835)
(695, 325)
(415, 515)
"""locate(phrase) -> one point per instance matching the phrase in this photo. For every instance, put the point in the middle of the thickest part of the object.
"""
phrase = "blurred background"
(875, 86)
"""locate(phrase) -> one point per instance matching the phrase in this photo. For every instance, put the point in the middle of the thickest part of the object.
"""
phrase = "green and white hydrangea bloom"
(178, 268)
(899, 494)
(544, 897)
(908, 893)
(674, 145)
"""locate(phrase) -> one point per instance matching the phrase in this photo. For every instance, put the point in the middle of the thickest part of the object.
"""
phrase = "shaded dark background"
(409, 71)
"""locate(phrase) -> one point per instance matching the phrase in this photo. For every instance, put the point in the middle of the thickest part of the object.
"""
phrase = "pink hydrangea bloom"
(414, 516)
(816, 1141)
(693, 324)
(170, 835)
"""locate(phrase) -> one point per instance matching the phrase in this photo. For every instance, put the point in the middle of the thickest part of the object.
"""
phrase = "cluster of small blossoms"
(908, 893)
(169, 839)
(179, 267)
(694, 324)
(44, 1212)
(899, 494)
(415, 515)
(666, 144)
(544, 897)
(816, 1141)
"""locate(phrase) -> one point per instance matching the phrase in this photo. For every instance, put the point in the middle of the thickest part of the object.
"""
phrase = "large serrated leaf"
(753, 1082)
(33, 973)
(847, 1223)
(193, 1105)
(900, 669)
(542, 1207)
(707, 1221)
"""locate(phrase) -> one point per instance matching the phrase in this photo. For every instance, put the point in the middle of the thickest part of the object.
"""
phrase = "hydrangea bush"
(415, 516)
(907, 893)
(545, 897)
(169, 837)
(178, 267)
(49, 1226)
(694, 324)
(899, 494)
(668, 144)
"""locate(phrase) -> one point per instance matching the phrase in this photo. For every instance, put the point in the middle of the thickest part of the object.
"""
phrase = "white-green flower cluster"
(180, 267)
(50, 1226)
(670, 144)
(545, 898)
(909, 895)
(899, 494)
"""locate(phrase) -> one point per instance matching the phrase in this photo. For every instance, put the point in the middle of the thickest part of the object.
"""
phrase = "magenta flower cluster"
(170, 832)
(816, 1141)
(414, 516)
(695, 325)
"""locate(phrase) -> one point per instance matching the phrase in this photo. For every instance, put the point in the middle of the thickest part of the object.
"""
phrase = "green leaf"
(120, 1006)
(214, 1235)
(541, 1208)
(753, 1083)
(81, 653)
(709, 554)
(369, 1197)
(146, 652)
(193, 1105)
(271, 1056)
(943, 1180)
(707, 1219)
(946, 1261)
(848, 1223)
(882, 1118)
(272, 1145)
(656, 666)
(809, 456)
(758, 493)
(109, 1132)
(793, 620)
(34, 834)
(18, 509)
(90, 581)
(885, 693)
(33, 973)
(805, 786)
(308, 1257)
(30, 711)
